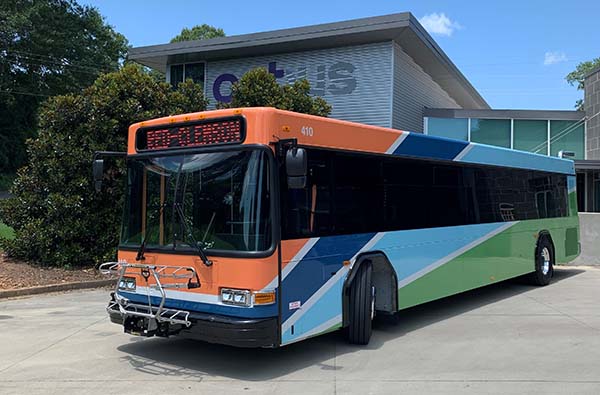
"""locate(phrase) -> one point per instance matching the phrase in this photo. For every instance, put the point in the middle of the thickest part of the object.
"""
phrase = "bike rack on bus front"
(153, 314)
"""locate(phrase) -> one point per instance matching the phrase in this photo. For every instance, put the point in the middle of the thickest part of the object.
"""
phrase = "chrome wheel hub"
(372, 303)
(545, 261)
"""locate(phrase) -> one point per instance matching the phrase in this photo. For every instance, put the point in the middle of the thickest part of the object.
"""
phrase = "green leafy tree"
(57, 217)
(259, 88)
(47, 48)
(577, 77)
(198, 32)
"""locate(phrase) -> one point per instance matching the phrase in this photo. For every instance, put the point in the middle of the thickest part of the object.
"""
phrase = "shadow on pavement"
(194, 360)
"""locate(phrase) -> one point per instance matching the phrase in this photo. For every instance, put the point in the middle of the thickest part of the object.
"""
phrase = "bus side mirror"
(296, 167)
(98, 170)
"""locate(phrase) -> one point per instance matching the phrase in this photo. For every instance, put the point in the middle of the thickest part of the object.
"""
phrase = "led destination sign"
(191, 134)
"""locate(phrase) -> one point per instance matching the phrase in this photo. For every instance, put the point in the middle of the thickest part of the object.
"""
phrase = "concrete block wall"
(592, 108)
(589, 234)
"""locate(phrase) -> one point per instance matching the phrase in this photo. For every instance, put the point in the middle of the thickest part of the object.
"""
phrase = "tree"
(57, 217)
(47, 47)
(259, 88)
(577, 77)
(198, 32)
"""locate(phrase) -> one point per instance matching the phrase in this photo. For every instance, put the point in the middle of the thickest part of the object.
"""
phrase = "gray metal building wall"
(414, 89)
(592, 108)
(355, 80)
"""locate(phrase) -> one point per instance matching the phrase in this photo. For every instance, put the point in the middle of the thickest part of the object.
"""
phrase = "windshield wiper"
(187, 229)
(140, 252)
(177, 208)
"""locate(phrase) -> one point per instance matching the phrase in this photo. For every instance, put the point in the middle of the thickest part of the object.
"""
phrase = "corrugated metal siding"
(414, 89)
(368, 102)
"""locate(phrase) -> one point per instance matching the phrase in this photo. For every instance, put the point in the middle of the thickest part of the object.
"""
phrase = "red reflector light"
(191, 134)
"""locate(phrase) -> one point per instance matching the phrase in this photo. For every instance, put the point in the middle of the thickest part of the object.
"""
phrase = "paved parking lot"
(506, 338)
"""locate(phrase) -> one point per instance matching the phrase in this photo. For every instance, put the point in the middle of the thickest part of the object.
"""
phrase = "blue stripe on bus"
(328, 307)
(323, 259)
(421, 145)
(498, 156)
(208, 308)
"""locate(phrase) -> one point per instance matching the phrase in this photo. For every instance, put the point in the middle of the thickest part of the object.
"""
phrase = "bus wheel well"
(545, 233)
(384, 280)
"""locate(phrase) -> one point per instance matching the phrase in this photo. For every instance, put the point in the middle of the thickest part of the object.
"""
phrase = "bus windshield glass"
(223, 197)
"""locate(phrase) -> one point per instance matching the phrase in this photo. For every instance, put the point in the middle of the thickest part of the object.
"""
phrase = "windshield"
(224, 198)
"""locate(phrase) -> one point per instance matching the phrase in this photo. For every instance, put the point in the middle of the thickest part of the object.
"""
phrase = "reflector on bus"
(229, 130)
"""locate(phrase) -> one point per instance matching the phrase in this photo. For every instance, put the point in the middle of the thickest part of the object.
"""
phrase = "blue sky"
(515, 53)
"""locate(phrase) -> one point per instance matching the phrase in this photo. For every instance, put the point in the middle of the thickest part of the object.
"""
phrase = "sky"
(515, 53)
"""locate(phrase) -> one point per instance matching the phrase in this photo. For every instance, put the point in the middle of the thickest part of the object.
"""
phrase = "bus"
(258, 227)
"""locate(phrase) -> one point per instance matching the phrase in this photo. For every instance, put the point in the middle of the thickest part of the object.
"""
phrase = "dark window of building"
(181, 72)
(581, 192)
(356, 193)
(195, 72)
(176, 75)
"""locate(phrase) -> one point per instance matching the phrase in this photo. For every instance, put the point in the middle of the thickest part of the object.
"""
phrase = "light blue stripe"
(498, 156)
(326, 308)
(571, 183)
(412, 250)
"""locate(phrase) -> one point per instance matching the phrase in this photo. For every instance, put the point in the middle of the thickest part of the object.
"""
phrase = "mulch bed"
(15, 274)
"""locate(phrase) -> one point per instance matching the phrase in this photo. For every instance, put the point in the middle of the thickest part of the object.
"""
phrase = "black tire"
(544, 262)
(361, 306)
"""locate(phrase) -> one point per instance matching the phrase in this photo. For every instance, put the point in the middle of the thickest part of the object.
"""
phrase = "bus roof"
(267, 125)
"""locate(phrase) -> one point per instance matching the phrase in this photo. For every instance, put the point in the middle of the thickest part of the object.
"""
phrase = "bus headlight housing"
(246, 298)
(238, 297)
(127, 284)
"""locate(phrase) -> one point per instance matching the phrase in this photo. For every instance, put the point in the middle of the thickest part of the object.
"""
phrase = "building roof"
(591, 73)
(562, 115)
(402, 28)
(587, 164)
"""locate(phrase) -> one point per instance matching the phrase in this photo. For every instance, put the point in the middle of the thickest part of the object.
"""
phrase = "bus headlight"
(238, 297)
(127, 284)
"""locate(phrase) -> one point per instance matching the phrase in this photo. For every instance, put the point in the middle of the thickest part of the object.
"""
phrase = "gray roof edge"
(296, 33)
(587, 164)
(591, 73)
(426, 37)
(567, 115)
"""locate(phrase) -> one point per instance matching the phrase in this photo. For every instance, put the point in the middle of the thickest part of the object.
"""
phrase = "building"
(385, 71)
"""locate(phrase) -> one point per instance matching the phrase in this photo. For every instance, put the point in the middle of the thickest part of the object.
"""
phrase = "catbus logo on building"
(335, 79)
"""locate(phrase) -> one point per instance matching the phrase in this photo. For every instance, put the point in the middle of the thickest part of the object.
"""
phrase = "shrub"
(57, 217)
(259, 88)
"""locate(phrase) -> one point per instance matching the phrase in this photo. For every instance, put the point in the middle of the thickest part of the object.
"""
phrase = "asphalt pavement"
(505, 338)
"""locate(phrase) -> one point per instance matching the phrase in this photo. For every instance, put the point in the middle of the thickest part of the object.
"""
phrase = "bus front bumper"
(212, 328)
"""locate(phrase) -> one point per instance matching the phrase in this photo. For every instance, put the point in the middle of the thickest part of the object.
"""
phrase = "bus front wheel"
(544, 262)
(362, 306)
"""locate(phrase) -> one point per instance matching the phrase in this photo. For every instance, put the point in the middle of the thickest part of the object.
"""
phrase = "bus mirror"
(296, 166)
(98, 170)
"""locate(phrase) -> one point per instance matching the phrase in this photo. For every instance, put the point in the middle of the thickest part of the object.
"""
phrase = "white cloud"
(554, 57)
(439, 24)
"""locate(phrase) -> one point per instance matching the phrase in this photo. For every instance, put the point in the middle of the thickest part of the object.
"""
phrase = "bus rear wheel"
(362, 306)
(544, 262)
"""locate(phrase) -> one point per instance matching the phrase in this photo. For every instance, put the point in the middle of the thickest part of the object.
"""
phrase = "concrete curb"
(11, 293)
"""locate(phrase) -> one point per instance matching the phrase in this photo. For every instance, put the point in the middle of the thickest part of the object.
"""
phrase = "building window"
(567, 136)
(531, 136)
(491, 131)
(453, 128)
(195, 71)
(176, 75)
(181, 72)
